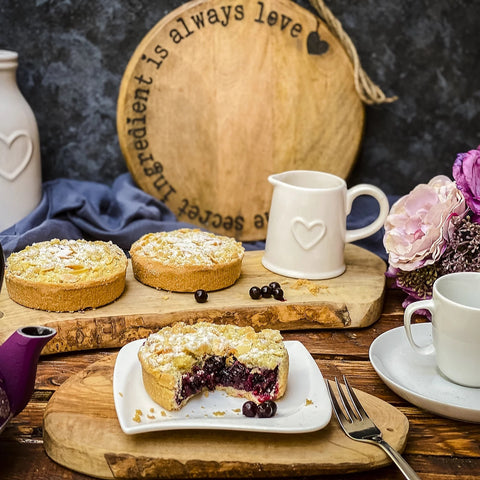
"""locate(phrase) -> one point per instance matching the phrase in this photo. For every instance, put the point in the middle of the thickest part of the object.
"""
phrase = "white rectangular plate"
(305, 407)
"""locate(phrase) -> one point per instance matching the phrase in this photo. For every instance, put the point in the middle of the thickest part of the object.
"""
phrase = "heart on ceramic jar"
(15, 154)
(308, 234)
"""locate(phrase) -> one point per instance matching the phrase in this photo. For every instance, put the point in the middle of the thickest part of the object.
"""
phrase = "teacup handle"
(407, 321)
(377, 224)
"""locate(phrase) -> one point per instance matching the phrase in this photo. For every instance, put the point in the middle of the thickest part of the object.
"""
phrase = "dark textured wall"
(73, 54)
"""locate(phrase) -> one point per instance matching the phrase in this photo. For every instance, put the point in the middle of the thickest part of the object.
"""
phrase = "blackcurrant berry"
(255, 293)
(201, 296)
(278, 294)
(273, 405)
(267, 409)
(274, 285)
(249, 409)
(266, 291)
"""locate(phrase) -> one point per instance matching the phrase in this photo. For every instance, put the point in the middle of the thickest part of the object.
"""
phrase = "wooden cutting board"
(352, 300)
(219, 95)
(81, 432)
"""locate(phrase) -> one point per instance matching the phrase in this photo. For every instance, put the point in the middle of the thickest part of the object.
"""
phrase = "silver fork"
(357, 425)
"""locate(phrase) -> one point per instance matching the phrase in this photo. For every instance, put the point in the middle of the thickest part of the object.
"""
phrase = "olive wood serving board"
(220, 94)
(81, 432)
(352, 300)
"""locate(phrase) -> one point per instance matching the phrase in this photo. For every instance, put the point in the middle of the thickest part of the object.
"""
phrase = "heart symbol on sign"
(15, 154)
(306, 234)
(316, 46)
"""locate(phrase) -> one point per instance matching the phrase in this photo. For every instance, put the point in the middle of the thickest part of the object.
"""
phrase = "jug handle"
(377, 224)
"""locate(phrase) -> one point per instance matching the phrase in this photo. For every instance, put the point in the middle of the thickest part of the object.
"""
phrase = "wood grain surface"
(351, 300)
(437, 448)
(218, 96)
(81, 432)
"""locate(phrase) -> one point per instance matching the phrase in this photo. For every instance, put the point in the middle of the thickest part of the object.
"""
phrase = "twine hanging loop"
(369, 92)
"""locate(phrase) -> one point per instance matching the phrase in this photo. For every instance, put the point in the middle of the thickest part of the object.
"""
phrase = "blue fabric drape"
(123, 213)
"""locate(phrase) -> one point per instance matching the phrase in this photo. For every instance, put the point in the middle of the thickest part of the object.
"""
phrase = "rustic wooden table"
(437, 447)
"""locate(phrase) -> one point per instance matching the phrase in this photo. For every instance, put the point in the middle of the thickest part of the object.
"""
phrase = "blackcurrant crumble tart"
(180, 361)
(186, 260)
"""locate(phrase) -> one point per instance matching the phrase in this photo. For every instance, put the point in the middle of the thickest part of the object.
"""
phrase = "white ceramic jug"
(307, 231)
(20, 165)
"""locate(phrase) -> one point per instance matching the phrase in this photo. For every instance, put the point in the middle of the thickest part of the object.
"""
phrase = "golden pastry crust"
(66, 275)
(186, 260)
(174, 352)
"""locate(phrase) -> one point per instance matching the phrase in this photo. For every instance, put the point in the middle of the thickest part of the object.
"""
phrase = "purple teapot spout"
(18, 365)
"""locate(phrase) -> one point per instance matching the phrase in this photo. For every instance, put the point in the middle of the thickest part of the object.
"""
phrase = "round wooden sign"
(219, 95)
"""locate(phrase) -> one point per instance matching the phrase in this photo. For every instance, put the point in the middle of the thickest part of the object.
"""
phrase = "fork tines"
(352, 408)
(351, 415)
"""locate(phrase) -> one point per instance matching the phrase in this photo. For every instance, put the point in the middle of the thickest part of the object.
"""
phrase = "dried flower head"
(463, 249)
(418, 283)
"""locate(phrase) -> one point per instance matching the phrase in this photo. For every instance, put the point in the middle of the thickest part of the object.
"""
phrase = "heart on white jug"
(308, 234)
(15, 154)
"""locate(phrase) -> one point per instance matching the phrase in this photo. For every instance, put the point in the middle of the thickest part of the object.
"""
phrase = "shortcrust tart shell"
(66, 275)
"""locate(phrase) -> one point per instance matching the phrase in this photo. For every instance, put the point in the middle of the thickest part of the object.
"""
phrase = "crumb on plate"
(138, 416)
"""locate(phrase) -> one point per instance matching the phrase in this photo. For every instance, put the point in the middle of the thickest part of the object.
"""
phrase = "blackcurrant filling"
(228, 372)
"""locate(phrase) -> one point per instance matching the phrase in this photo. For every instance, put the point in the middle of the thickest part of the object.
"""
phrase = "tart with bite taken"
(181, 361)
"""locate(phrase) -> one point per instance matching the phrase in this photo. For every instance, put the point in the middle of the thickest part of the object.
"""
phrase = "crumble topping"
(313, 288)
(188, 247)
(180, 345)
(66, 261)
(138, 416)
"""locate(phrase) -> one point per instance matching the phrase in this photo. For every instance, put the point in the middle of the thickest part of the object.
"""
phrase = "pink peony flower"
(466, 172)
(418, 225)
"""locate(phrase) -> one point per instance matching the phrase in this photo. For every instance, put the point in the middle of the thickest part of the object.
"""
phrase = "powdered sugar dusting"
(188, 247)
(182, 346)
(66, 261)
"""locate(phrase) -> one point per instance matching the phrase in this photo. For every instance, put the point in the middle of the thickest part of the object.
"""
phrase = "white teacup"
(455, 309)
(307, 231)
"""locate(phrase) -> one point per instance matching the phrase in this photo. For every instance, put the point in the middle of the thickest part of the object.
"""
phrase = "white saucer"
(416, 378)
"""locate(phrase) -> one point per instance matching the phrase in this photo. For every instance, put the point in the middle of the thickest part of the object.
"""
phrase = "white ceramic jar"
(20, 164)
(307, 224)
